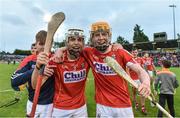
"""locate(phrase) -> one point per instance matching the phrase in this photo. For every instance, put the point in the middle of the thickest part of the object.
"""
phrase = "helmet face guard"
(74, 50)
(100, 27)
(76, 33)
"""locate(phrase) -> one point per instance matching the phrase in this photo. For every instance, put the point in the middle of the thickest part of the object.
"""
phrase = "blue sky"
(21, 19)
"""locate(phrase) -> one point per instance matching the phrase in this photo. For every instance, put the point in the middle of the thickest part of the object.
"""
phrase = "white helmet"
(75, 33)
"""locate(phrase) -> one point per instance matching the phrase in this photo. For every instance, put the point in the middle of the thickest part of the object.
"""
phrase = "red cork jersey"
(70, 80)
(110, 89)
(148, 62)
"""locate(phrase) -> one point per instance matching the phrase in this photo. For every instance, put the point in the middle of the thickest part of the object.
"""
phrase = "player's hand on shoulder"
(58, 55)
(116, 46)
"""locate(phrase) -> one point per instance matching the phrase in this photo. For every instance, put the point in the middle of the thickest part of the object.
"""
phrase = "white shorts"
(42, 111)
(79, 112)
(150, 73)
(110, 112)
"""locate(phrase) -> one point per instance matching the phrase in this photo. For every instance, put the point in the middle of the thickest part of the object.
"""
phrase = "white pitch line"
(8, 90)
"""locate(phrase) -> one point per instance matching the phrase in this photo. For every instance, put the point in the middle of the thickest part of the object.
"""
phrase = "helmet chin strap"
(102, 48)
(74, 53)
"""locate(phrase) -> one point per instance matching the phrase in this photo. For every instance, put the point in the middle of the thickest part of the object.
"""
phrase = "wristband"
(37, 67)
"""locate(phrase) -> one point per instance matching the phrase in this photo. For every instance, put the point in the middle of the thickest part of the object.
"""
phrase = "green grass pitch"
(19, 109)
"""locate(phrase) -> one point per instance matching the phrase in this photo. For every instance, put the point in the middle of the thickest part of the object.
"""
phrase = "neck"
(72, 57)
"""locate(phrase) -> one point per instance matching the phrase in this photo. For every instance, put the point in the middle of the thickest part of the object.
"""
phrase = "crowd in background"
(157, 57)
(11, 58)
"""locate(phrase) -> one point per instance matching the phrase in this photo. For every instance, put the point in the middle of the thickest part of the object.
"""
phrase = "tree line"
(139, 36)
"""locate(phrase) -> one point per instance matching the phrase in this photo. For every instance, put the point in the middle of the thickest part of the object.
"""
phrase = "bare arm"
(116, 46)
(58, 56)
(144, 88)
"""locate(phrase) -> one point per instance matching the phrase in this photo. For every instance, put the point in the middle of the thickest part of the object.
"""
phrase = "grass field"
(19, 109)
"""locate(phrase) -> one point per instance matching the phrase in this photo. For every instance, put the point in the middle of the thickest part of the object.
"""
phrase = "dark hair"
(166, 63)
(33, 44)
(133, 49)
(41, 37)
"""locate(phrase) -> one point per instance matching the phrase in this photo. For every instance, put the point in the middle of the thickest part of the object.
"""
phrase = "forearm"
(60, 50)
(18, 79)
(144, 88)
(142, 74)
(34, 77)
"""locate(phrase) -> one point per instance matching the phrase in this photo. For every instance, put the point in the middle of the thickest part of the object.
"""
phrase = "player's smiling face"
(75, 43)
(100, 40)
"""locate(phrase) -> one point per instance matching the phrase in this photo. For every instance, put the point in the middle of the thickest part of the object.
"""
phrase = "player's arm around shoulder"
(116, 46)
(144, 88)
(58, 55)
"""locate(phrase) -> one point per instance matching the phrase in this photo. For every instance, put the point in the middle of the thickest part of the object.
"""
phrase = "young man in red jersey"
(134, 76)
(149, 65)
(70, 77)
(111, 91)
(151, 70)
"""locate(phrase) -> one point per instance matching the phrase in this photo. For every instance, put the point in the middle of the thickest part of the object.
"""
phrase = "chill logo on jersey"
(74, 76)
(103, 68)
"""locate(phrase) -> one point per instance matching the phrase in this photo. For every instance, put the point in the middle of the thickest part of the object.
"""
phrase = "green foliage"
(21, 52)
(139, 35)
(121, 40)
(59, 44)
(4, 53)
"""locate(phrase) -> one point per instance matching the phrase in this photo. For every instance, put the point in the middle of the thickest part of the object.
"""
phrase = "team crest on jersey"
(83, 65)
(114, 56)
(103, 68)
(74, 76)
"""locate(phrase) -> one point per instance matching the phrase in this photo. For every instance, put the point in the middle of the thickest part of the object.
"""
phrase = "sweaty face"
(75, 45)
(101, 40)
